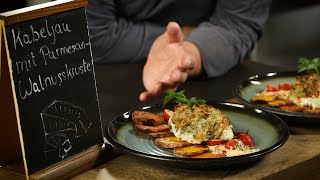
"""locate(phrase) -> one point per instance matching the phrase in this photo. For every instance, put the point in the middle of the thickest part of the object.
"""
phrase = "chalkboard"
(55, 87)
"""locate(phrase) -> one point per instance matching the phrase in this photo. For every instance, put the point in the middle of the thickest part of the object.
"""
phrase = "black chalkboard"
(55, 87)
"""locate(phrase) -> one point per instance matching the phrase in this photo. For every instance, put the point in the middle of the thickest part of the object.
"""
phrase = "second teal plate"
(245, 90)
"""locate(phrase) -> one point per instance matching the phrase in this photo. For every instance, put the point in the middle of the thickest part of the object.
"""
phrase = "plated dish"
(267, 130)
(249, 88)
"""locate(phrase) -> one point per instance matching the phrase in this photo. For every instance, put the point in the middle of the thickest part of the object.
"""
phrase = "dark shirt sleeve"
(224, 40)
(115, 38)
(230, 34)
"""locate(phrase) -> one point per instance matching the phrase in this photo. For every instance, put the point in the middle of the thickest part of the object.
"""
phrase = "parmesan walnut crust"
(198, 124)
(305, 91)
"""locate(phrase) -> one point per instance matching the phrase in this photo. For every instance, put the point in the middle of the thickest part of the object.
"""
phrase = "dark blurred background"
(8, 5)
(292, 31)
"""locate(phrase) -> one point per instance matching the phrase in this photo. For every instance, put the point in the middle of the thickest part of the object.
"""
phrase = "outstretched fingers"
(185, 64)
(177, 77)
(159, 89)
(174, 33)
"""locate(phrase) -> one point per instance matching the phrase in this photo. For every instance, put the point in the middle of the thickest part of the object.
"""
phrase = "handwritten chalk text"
(50, 54)
(30, 86)
(26, 64)
(24, 38)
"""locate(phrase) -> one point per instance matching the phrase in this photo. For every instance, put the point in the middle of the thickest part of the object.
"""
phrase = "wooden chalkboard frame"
(13, 156)
(41, 10)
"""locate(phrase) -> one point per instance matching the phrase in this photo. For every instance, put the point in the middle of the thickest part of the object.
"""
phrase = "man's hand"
(171, 60)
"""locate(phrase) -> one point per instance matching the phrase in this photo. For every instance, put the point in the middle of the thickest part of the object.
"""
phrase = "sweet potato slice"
(208, 155)
(292, 108)
(163, 127)
(192, 150)
(263, 98)
(170, 142)
(312, 111)
(161, 134)
(278, 102)
(147, 118)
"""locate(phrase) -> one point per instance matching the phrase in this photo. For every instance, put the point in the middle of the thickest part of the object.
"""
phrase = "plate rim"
(242, 84)
(256, 155)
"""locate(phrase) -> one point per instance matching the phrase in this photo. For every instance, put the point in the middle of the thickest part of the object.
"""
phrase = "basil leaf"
(181, 98)
(309, 65)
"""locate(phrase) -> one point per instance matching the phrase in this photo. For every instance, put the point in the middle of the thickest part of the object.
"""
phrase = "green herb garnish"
(309, 65)
(181, 98)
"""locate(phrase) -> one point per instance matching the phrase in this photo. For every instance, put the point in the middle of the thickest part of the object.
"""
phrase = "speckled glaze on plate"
(268, 131)
(245, 90)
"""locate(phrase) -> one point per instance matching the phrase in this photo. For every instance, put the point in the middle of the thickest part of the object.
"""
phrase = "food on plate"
(199, 123)
(306, 91)
(167, 113)
(192, 150)
(208, 155)
(301, 96)
(158, 128)
(234, 147)
(147, 118)
(193, 129)
(292, 108)
(245, 138)
(279, 102)
(265, 98)
(196, 122)
(171, 142)
(161, 134)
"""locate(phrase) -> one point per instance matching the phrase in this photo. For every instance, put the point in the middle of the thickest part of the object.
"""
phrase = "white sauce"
(281, 94)
(241, 149)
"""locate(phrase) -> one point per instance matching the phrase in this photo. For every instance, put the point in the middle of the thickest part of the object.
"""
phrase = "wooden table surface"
(298, 158)
(118, 92)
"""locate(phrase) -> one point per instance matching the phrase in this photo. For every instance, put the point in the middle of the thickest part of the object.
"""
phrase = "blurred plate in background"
(247, 89)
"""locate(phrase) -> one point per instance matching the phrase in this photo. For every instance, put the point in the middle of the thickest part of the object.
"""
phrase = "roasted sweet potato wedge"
(292, 108)
(171, 142)
(208, 155)
(161, 134)
(192, 150)
(147, 118)
(159, 128)
(278, 102)
(263, 98)
(312, 111)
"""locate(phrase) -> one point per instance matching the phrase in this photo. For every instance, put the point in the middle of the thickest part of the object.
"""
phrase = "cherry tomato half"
(284, 87)
(270, 88)
(231, 144)
(245, 138)
(167, 114)
(215, 142)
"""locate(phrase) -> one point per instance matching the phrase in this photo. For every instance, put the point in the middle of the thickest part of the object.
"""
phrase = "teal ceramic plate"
(245, 90)
(267, 130)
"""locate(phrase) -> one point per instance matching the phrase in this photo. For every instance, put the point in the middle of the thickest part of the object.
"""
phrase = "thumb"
(174, 33)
